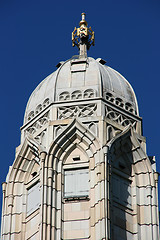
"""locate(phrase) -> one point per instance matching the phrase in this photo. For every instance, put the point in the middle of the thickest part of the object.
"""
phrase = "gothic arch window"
(76, 175)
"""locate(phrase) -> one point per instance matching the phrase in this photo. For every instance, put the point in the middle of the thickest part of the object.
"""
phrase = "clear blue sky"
(36, 35)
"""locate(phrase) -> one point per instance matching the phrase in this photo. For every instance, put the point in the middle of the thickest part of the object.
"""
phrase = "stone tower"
(81, 170)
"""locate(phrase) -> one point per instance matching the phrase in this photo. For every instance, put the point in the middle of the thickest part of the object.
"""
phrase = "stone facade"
(81, 170)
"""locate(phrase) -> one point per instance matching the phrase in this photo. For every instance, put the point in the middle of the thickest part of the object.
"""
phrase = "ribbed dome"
(82, 78)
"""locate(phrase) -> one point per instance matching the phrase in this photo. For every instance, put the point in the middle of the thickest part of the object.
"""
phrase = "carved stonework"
(39, 123)
(85, 110)
(89, 93)
(58, 129)
(119, 117)
(38, 109)
(77, 94)
(112, 132)
(93, 127)
(41, 138)
(64, 96)
(119, 102)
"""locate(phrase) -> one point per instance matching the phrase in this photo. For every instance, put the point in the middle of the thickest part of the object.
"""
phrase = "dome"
(82, 78)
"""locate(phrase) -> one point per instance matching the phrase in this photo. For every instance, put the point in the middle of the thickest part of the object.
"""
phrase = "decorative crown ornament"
(83, 36)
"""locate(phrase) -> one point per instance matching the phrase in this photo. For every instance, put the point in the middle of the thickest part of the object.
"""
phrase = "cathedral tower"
(81, 170)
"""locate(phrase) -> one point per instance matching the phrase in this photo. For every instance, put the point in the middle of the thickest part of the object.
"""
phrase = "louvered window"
(76, 183)
(33, 198)
(121, 190)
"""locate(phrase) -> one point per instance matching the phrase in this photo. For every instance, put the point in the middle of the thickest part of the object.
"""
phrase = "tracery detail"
(119, 102)
(119, 117)
(85, 110)
(38, 109)
(38, 124)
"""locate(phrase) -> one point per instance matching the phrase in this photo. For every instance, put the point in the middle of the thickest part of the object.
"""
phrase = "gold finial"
(83, 21)
(83, 37)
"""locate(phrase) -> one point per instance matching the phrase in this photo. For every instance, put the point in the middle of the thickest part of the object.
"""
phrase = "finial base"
(83, 50)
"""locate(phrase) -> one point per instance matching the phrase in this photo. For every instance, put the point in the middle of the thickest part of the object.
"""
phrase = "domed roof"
(82, 78)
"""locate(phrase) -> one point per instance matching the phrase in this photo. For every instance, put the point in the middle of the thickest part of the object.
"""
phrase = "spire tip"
(83, 37)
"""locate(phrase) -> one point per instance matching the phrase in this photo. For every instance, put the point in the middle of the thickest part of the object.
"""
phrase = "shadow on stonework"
(120, 190)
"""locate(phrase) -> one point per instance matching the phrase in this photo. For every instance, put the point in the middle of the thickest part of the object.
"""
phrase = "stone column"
(3, 205)
(43, 207)
(156, 176)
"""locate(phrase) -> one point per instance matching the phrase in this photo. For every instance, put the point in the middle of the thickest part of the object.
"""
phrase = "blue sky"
(36, 35)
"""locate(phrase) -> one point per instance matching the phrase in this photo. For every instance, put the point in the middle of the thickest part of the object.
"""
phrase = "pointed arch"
(29, 150)
(126, 147)
(20, 174)
(75, 136)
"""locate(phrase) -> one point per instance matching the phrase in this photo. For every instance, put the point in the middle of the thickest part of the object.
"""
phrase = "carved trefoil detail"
(77, 94)
(38, 109)
(119, 102)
